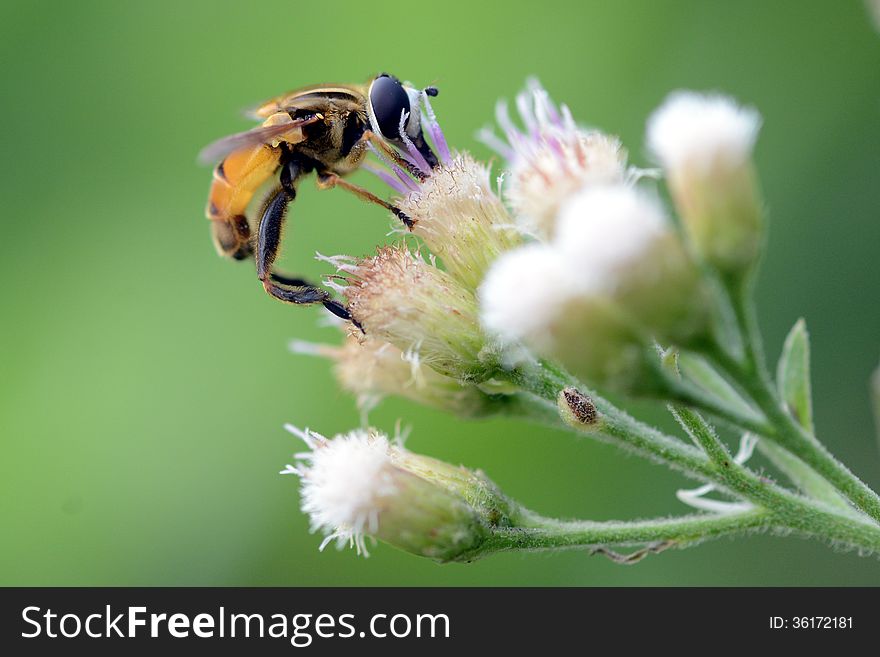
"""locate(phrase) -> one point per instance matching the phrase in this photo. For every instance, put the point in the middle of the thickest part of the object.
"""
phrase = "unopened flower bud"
(705, 145)
(361, 484)
(460, 218)
(398, 297)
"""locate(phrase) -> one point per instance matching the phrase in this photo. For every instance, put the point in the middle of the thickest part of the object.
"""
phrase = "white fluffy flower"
(524, 294)
(613, 278)
(605, 233)
(361, 484)
(371, 369)
(703, 131)
(705, 144)
(346, 484)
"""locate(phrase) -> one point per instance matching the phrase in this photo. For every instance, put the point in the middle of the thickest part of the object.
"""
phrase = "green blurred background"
(145, 380)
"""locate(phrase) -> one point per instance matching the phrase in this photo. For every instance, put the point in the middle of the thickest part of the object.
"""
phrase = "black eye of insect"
(388, 101)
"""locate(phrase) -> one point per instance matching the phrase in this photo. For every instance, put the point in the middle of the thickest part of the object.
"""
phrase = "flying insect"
(322, 129)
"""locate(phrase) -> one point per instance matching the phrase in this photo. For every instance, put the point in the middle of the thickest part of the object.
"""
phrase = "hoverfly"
(325, 129)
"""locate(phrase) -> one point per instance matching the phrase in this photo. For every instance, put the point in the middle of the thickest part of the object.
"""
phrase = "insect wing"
(261, 135)
(304, 97)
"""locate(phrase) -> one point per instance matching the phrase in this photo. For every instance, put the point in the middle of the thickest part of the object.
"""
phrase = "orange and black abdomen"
(236, 179)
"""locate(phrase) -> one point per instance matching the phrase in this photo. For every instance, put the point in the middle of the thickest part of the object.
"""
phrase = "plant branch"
(539, 533)
(788, 510)
(546, 381)
(751, 375)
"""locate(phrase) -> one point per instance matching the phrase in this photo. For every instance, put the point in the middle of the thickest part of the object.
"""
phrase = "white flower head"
(604, 233)
(525, 294)
(450, 203)
(345, 484)
(705, 144)
(551, 157)
(702, 131)
(614, 278)
(362, 484)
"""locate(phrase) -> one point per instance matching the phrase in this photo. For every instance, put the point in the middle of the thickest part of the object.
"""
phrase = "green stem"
(545, 380)
(532, 532)
(804, 477)
(786, 509)
(549, 534)
(702, 434)
(752, 376)
(520, 405)
(684, 393)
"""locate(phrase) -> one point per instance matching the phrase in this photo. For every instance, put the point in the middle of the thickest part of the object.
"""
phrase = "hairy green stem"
(539, 533)
(521, 405)
(532, 532)
(804, 477)
(786, 510)
(702, 434)
(803, 518)
(751, 375)
(683, 393)
(545, 380)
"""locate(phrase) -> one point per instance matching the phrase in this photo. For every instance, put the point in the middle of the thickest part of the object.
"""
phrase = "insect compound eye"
(388, 100)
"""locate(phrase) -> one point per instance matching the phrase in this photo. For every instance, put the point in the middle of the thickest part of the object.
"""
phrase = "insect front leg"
(393, 155)
(329, 180)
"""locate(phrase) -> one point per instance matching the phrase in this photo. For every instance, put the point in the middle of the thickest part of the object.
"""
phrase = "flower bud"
(398, 297)
(361, 484)
(460, 218)
(371, 369)
(705, 144)
(614, 279)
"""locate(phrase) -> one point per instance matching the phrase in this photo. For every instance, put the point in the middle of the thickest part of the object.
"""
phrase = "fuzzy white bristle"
(603, 231)
(525, 292)
(701, 131)
(344, 484)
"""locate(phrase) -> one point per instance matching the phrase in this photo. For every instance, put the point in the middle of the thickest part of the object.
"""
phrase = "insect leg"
(284, 279)
(289, 172)
(329, 180)
(268, 242)
(289, 290)
(396, 157)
